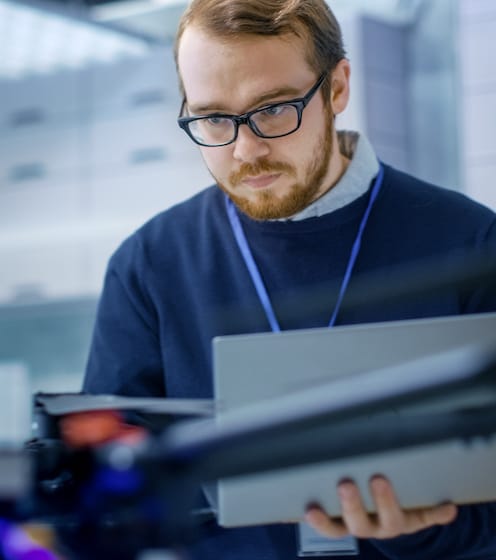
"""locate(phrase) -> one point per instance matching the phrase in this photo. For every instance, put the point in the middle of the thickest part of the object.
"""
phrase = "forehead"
(231, 73)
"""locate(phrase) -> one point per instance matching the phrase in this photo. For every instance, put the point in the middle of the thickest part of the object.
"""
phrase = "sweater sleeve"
(125, 356)
(483, 298)
(472, 536)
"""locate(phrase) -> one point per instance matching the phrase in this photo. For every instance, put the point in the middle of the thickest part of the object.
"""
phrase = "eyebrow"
(257, 102)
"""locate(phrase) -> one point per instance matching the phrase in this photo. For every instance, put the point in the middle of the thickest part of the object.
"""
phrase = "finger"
(325, 525)
(419, 519)
(391, 518)
(355, 516)
(394, 521)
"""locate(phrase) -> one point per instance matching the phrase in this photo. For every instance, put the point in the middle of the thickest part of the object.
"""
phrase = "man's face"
(266, 178)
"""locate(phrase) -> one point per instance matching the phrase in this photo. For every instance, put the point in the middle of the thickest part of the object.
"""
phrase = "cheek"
(305, 138)
(218, 160)
(300, 149)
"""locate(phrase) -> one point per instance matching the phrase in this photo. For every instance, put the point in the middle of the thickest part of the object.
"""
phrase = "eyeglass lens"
(272, 121)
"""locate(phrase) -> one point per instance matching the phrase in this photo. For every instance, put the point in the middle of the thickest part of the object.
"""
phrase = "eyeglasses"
(270, 121)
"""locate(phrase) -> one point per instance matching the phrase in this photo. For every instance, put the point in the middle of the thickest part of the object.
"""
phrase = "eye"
(275, 110)
(216, 121)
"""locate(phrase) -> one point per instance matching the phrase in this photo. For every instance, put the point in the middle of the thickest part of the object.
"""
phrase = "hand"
(389, 521)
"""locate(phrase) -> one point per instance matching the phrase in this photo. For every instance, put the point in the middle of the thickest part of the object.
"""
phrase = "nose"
(249, 147)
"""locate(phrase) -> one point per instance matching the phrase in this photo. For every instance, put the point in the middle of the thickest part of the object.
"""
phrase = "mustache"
(261, 166)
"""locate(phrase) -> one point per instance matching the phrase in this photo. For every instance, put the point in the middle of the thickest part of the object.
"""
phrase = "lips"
(261, 181)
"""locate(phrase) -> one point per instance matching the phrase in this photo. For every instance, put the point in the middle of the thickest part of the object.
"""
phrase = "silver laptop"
(256, 368)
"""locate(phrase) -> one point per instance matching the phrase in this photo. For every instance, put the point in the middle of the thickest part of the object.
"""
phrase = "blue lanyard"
(255, 273)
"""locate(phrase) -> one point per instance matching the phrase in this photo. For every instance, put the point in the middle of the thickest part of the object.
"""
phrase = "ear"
(340, 86)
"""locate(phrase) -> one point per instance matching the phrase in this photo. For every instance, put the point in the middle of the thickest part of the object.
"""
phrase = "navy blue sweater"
(180, 280)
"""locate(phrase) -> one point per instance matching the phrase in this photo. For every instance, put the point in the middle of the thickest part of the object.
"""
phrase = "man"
(296, 207)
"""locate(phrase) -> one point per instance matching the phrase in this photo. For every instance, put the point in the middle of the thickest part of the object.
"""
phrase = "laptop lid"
(256, 367)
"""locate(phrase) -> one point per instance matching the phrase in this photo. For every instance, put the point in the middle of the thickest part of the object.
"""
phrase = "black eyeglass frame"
(299, 103)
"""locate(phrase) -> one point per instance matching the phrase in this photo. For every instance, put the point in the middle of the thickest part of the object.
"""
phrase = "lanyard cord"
(255, 273)
(240, 236)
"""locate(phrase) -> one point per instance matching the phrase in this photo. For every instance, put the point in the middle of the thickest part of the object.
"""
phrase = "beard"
(267, 205)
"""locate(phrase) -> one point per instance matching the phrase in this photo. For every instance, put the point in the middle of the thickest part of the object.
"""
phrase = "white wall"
(477, 109)
(85, 158)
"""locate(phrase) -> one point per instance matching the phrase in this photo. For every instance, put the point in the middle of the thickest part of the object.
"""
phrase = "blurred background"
(89, 146)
